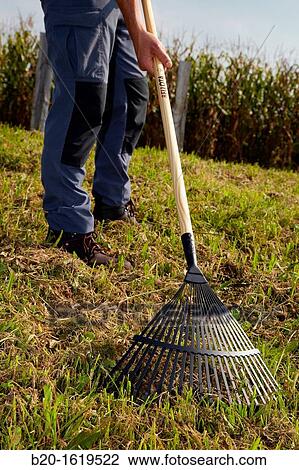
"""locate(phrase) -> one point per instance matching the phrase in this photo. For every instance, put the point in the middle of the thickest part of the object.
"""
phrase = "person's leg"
(79, 47)
(69, 136)
(123, 121)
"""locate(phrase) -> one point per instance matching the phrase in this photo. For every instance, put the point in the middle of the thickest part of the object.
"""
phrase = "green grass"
(61, 322)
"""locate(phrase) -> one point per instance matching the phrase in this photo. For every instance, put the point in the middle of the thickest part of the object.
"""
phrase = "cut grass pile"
(62, 323)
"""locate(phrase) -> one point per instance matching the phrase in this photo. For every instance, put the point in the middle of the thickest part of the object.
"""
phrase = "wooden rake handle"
(170, 134)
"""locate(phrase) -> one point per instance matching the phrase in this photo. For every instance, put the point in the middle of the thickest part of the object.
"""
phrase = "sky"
(219, 22)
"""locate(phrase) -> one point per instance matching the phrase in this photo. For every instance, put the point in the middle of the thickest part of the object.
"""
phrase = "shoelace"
(92, 246)
(130, 208)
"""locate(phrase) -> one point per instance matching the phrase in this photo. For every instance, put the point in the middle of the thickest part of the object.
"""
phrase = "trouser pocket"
(79, 52)
(90, 53)
(80, 43)
(60, 54)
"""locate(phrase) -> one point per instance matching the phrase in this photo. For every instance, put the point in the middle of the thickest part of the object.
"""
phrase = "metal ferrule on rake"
(194, 342)
(194, 274)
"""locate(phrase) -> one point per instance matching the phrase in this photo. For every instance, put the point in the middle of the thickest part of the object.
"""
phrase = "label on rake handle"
(162, 86)
(196, 351)
(161, 79)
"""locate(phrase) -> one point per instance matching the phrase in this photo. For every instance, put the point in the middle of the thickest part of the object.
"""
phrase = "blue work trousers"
(100, 97)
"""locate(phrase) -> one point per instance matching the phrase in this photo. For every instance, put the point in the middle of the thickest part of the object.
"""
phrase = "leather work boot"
(85, 247)
(104, 213)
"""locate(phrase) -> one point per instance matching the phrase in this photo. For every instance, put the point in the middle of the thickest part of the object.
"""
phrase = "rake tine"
(229, 346)
(215, 374)
(158, 361)
(157, 365)
(245, 364)
(145, 370)
(127, 354)
(258, 386)
(198, 346)
(148, 330)
(181, 381)
(172, 376)
(220, 338)
(230, 335)
(219, 358)
(200, 383)
(170, 352)
(206, 359)
(211, 335)
(265, 369)
(193, 310)
(153, 377)
(256, 371)
(227, 327)
(262, 367)
(261, 370)
(158, 335)
(152, 329)
(204, 346)
(117, 371)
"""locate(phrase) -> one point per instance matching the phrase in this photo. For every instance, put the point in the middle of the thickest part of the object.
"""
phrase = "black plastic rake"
(193, 342)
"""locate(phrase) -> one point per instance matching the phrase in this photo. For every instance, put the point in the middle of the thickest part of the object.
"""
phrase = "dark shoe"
(85, 247)
(104, 213)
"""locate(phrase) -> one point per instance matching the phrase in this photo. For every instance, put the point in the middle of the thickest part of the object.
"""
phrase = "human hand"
(147, 47)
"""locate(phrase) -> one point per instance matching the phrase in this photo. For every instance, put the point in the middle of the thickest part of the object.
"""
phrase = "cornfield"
(18, 59)
(240, 108)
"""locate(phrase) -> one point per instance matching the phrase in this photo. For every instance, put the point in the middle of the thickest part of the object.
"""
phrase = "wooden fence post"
(181, 101)
(42, 88)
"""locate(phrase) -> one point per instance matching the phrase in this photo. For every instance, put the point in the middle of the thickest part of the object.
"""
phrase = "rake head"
(195, 343)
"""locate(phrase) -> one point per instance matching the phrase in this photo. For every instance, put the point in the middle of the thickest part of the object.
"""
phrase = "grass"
(61, 322)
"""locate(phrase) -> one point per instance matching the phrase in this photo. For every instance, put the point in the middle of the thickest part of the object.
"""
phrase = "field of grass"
(62, 323)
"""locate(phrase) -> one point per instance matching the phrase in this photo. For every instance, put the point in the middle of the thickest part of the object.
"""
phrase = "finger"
(147, 65)
(163, 58)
